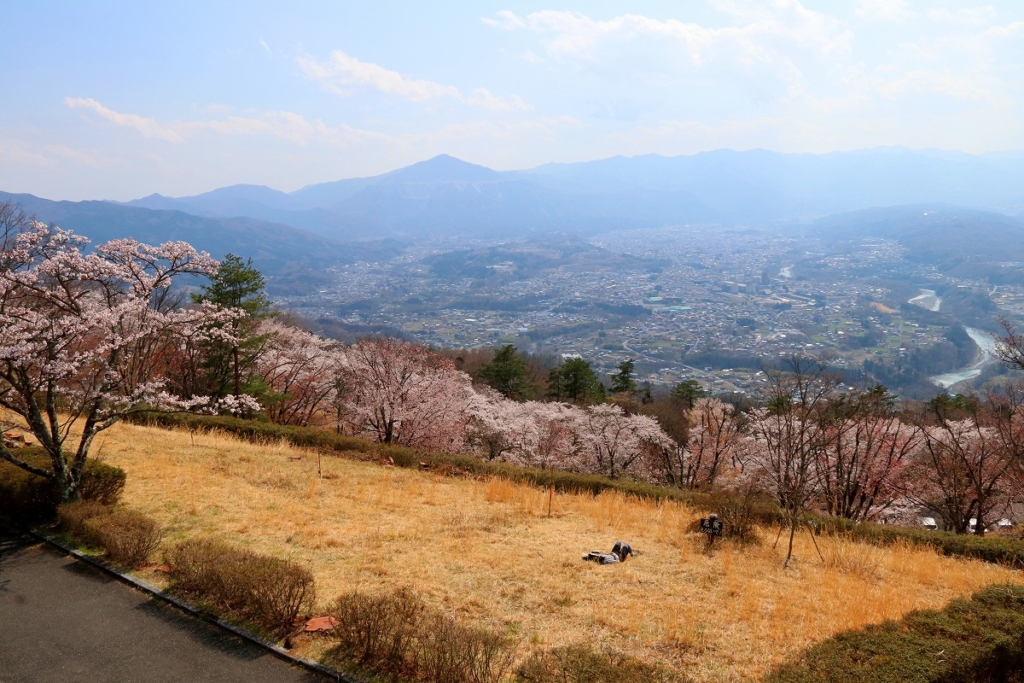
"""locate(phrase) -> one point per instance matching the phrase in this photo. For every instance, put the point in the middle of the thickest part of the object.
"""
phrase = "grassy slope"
(486, 550)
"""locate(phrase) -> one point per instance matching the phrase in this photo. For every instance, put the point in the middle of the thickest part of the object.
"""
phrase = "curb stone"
(155, 592)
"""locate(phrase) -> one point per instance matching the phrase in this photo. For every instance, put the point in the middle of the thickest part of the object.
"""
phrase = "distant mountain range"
(277, 249)
(293, 236)
(444, 196)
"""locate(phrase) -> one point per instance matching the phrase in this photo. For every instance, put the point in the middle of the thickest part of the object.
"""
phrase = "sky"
(118, 100)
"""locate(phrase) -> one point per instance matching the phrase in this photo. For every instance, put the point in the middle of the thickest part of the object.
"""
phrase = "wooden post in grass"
(551, 489)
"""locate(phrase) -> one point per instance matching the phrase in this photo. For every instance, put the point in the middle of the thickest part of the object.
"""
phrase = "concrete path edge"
(152, 590)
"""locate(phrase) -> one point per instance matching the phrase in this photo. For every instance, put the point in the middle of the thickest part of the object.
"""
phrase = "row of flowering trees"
(88, 337)
(810, 447)
(404, 394)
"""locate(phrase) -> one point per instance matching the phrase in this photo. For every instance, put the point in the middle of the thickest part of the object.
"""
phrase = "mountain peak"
(440, 169)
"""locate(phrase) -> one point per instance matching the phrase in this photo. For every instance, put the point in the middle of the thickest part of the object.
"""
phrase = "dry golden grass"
(486, 551)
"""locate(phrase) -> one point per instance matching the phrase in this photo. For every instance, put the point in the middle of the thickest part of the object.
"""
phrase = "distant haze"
(445, 196)
(946, 202)
(119, 100)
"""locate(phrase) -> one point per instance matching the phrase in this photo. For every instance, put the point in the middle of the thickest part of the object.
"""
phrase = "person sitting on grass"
(620, 551)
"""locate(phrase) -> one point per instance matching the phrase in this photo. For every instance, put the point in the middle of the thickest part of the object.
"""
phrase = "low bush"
(450, 652)
(128, 537)
(741, 510)
(29, 498)
(268, 591)
(978, 639)
(102, 482)
(377, 631)
(395, 634)
(72, 518)
(583, 664)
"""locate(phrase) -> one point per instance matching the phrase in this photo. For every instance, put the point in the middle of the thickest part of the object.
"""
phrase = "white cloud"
(884, 10)
(576, 34)
(342, 73)
(285, 125)
(87, 157)
(972, 16)
(766, 52)
(263, 44)
(18, 153)
(147, 126)
(297, 129)
(766, 41)
(506, 20)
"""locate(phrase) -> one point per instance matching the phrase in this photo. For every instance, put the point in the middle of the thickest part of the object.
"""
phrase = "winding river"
(987, 343)
(928, 300)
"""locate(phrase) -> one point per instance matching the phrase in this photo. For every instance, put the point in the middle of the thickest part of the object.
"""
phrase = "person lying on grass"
(620, 551)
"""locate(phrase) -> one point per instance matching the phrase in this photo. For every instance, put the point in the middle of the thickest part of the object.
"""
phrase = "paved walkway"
(64, 621)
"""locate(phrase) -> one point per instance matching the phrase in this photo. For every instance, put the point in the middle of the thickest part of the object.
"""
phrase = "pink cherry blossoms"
(84, 336)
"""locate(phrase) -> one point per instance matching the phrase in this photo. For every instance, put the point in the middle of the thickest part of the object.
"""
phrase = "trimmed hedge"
(267, 591)
(71, 517)
(127, 536)
(978, 639)
(29, 498)
(396, 635)
(989, 548)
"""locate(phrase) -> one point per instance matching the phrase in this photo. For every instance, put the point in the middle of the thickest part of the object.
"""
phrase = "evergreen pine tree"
(508, 375)
(575, 381)
(622, 381)
(689, 392)
(237, 284)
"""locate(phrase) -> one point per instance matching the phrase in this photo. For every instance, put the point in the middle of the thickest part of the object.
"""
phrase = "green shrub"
(102, 482)
(128, 537)
(29, 498)
(268, 591)
(73, 516)
(583, 664)
(978, 639)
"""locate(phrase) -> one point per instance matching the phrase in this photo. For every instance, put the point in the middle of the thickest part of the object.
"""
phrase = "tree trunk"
(789, 553)
(238, 380)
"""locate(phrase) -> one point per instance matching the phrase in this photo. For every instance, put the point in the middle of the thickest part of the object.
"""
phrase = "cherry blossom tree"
(84, 337)
(497, 426)
(614, 443)
(299, 369)
(964, 472)
(402, 393)
(531, 434)
(863, 467)
(712, 444)
(786, 436)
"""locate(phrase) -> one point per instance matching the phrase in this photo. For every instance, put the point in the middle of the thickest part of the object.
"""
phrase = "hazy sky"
(122, 99)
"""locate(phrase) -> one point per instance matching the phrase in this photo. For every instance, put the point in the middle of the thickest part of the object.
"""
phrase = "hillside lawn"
(486, 550)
